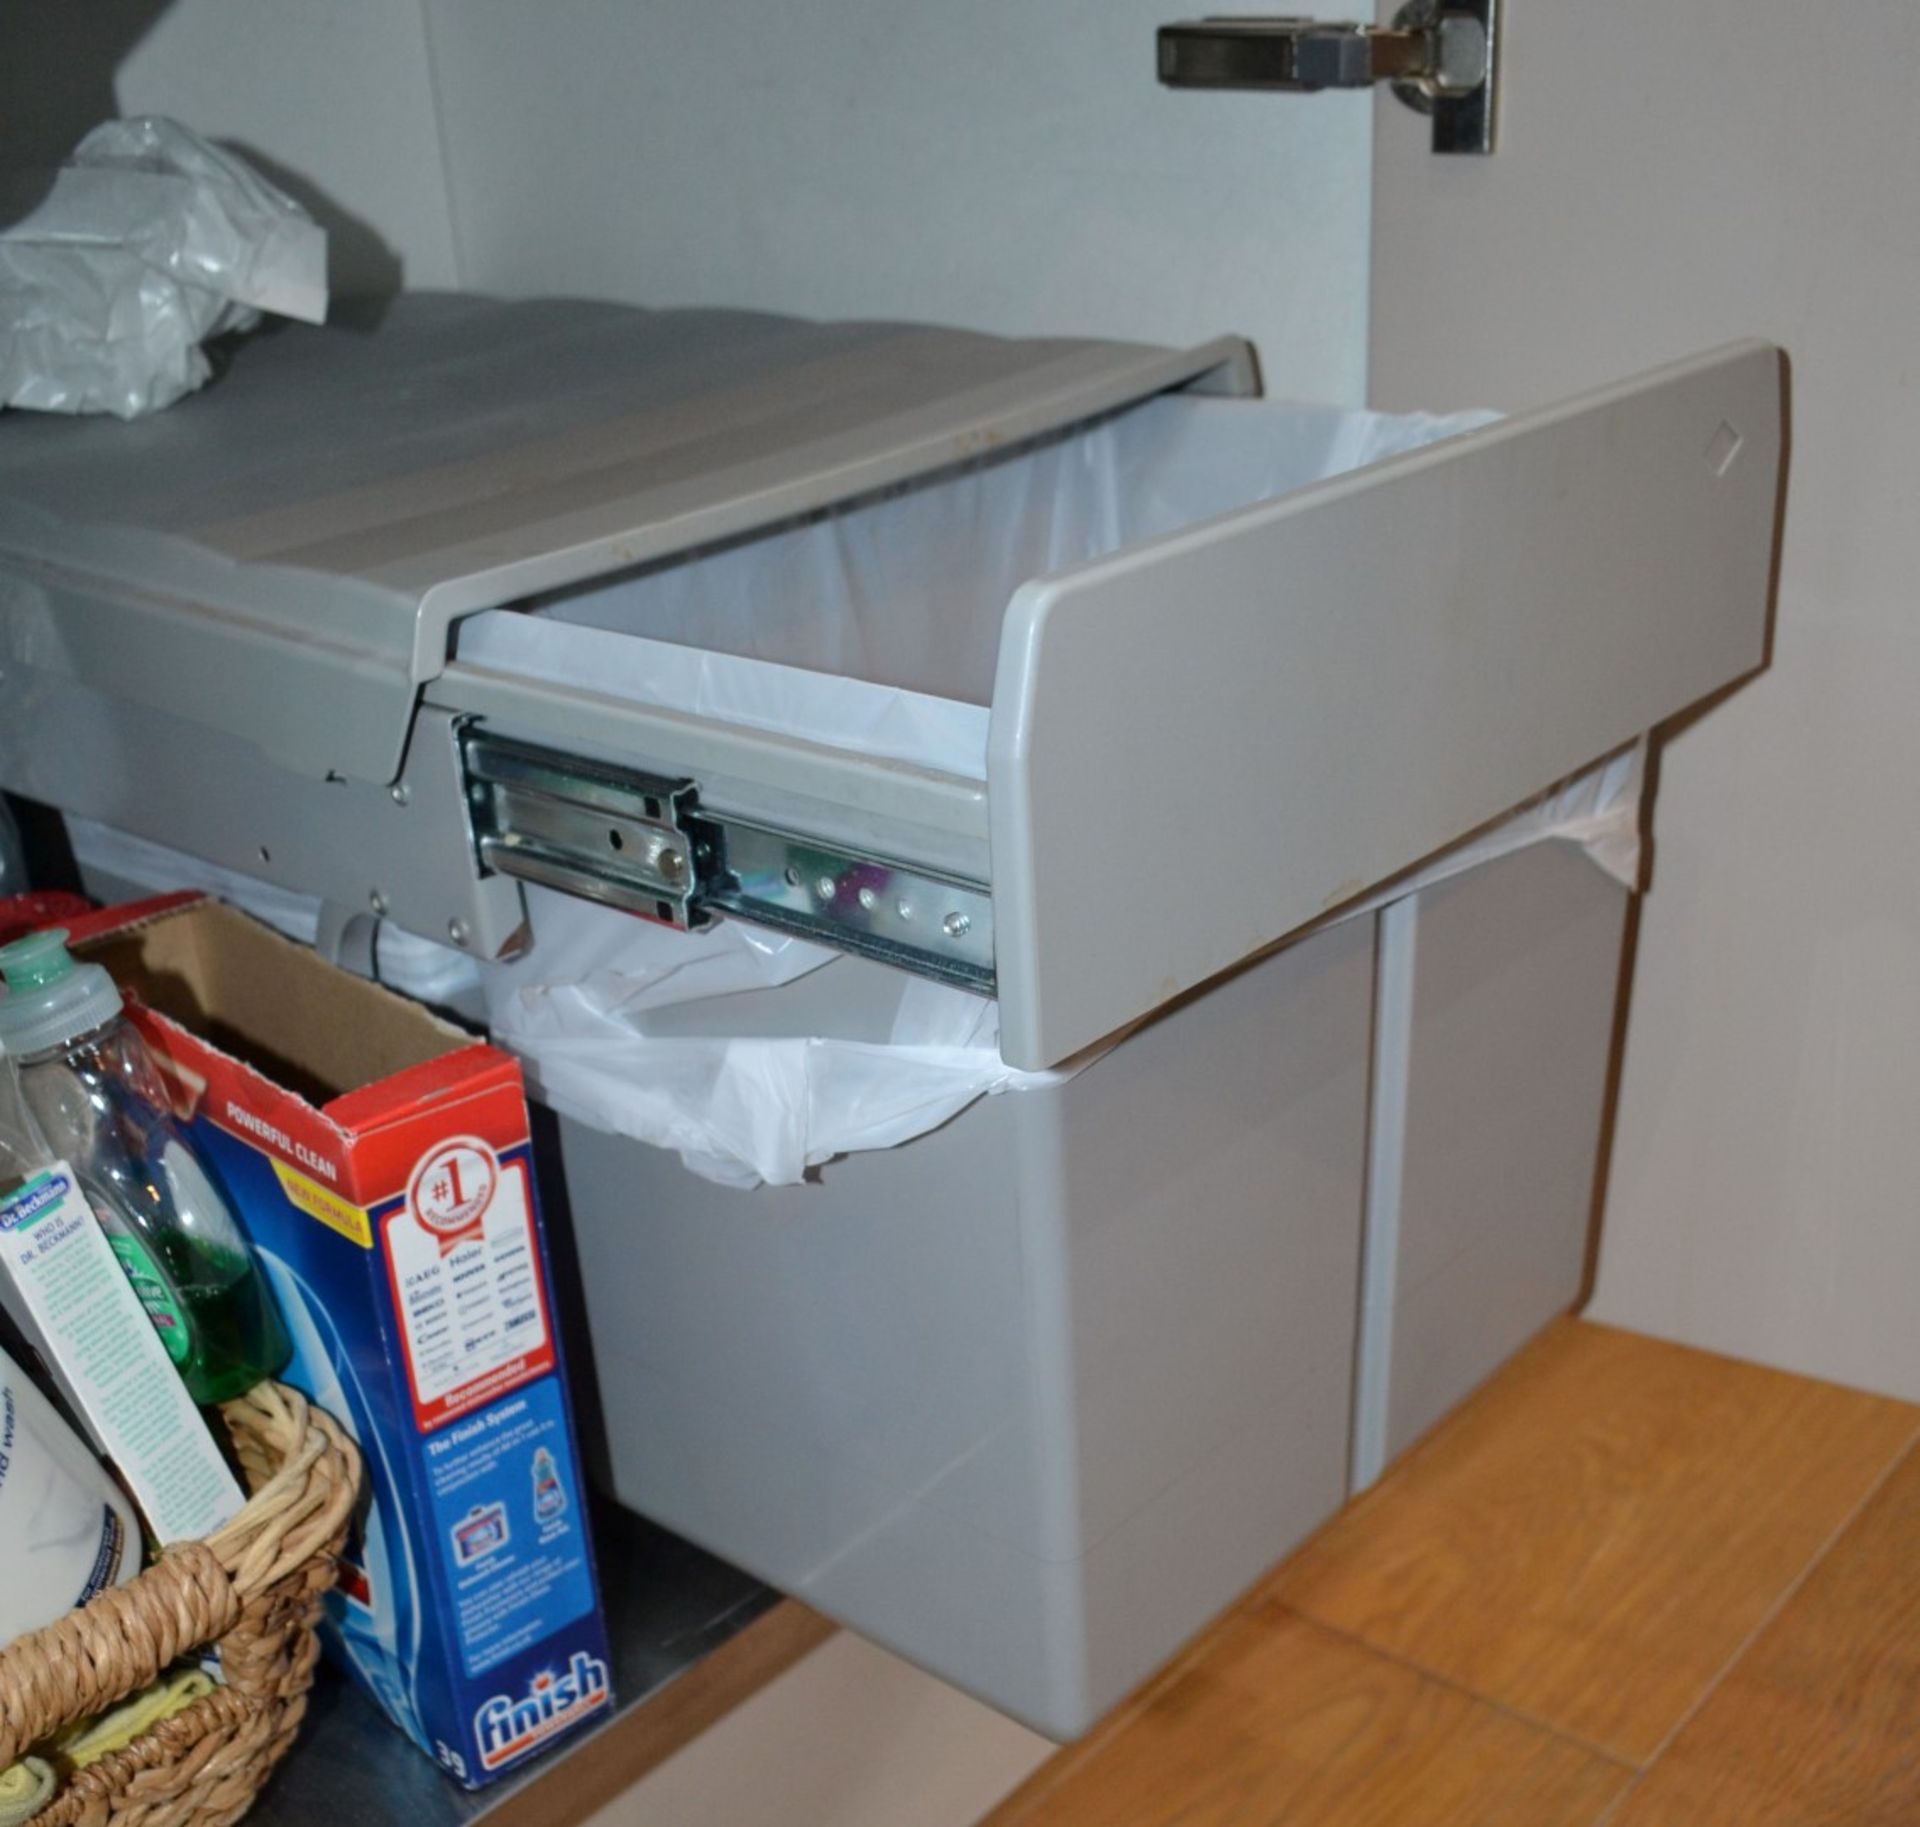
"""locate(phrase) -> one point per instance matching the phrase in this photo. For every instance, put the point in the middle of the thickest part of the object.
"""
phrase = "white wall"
(1003, 164)
(335, 99)
(1006, 164)
(1672, 177)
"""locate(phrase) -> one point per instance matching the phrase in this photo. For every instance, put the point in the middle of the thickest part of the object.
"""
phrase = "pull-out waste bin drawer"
(1223, 706)
(1070, 674)
(1190, 712)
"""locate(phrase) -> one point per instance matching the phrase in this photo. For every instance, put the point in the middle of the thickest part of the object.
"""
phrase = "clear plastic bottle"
(102, 1105)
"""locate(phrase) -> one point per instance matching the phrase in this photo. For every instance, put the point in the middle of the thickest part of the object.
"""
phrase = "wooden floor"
(1627, 1584)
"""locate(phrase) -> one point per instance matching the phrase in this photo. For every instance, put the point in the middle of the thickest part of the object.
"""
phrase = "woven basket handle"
(112, 1645)
(304, 1474)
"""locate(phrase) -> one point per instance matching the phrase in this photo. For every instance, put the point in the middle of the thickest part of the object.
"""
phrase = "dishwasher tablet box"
(379, 1158)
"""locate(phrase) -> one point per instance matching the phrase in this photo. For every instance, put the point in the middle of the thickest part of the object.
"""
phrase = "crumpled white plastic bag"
(150, 242)
(738, 1109)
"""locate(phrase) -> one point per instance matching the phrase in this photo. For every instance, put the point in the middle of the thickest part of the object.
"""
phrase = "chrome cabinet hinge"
(1442, 57)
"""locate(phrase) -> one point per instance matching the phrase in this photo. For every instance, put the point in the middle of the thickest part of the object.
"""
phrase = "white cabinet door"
(1668, 177)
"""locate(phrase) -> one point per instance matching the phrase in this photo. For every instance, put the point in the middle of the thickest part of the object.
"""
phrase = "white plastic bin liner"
(907, 590)
(853, 714)
(591, 1009)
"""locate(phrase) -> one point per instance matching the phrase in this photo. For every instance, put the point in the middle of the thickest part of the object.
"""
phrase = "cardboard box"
(379, 1159)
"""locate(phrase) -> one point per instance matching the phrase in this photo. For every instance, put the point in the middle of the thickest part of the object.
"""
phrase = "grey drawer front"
(1202, 744)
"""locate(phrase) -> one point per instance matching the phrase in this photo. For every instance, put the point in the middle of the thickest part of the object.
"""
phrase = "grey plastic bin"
(1030, 1398)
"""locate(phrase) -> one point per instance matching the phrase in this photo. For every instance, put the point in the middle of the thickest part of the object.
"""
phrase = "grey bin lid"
(282, 554)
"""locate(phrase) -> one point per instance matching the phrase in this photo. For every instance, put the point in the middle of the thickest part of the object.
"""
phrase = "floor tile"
(1818, 1724)
(1593, 1536)
(1278, 1720)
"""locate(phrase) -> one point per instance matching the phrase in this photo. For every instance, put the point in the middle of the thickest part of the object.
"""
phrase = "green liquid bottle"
(101, 1102)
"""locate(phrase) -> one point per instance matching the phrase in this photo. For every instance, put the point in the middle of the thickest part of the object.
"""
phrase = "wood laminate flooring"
(1626, 1584)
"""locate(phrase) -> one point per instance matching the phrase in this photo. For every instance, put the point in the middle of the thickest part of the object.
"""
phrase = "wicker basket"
(254, 1589)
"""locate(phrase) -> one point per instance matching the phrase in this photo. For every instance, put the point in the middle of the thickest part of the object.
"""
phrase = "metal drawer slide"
(643, 843)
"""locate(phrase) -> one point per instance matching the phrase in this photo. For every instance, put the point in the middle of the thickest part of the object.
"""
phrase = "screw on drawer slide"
(643, 843)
